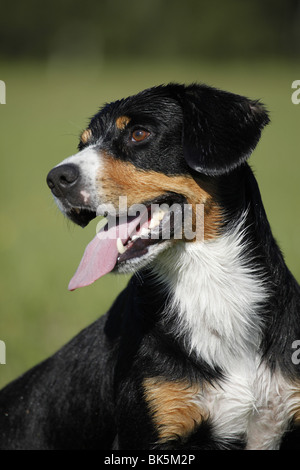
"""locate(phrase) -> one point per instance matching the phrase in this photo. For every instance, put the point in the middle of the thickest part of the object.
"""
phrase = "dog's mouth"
(127, 237)
(81, 216)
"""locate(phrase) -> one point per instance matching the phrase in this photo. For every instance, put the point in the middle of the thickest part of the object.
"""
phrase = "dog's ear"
(220, 129)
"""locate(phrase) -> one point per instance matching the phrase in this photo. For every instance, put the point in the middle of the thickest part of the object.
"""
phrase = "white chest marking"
(216, 294)
(252, 404)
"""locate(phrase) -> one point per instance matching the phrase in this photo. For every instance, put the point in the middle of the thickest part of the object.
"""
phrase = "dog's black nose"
(61, 178)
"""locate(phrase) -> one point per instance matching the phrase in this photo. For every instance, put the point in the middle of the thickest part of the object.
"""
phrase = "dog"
(196, 352)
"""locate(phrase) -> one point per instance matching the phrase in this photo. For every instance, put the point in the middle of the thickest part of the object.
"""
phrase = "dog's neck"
(226, 298)
(215, 294)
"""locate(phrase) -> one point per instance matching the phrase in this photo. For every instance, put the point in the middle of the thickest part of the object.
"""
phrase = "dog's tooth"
(134, 237)
(154, 222)
(120, 246)
(159, 215)
(144, 232)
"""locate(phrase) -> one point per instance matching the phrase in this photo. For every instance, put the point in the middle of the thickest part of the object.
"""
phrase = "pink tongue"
(101, 254)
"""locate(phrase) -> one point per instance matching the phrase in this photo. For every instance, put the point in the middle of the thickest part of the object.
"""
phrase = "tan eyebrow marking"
(85, 136)
(122, 122)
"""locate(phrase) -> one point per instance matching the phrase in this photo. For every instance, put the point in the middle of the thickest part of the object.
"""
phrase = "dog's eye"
(139, 134)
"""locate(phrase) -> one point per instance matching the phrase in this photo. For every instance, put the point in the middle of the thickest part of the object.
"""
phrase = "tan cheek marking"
(173, 406)
(119, 178)
(85, 136)
(122, 122)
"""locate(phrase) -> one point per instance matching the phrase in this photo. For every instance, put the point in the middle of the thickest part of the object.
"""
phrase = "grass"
(47, 107)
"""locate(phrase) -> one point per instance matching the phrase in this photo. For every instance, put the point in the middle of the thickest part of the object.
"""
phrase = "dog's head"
(142, 160)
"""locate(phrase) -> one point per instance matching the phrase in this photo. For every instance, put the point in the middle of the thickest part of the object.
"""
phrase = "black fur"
(220, 129)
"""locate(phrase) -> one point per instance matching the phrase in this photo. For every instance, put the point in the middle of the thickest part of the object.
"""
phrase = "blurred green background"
(61, 61)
